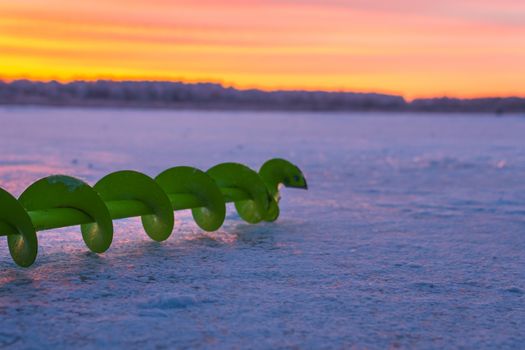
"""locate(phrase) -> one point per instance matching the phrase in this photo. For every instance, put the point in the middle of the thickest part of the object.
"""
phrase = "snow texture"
(412, 234)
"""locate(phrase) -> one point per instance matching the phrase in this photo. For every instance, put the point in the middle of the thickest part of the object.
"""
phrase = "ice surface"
(412, 234)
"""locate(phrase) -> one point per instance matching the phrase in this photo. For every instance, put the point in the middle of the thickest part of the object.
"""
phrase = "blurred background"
(464, 48)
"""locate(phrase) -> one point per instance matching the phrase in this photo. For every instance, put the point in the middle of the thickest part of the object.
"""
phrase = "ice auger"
(61, 201)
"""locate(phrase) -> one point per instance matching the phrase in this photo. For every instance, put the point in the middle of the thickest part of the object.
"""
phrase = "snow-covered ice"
(412, 234)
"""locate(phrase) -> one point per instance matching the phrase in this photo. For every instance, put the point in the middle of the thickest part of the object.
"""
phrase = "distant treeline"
(214, 96)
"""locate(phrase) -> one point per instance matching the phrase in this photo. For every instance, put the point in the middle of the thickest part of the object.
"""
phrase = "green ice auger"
(62, 201)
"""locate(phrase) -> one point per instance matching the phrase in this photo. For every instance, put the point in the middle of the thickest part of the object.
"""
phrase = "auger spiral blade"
(237, 177)
(187, 181)
(17, 225)
(127, 191)
(61, 191)
(62, 201)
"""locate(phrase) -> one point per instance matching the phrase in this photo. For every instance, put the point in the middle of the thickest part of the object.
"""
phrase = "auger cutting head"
(280, 171)
(62, 201)
(274, 173)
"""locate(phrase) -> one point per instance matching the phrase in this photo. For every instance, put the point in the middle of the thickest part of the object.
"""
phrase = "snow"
(412, 234)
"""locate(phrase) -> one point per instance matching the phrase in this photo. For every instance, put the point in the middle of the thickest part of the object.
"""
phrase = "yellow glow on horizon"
(459, 48)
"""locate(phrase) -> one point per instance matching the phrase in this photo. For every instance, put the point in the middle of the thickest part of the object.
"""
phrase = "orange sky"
(415, 48)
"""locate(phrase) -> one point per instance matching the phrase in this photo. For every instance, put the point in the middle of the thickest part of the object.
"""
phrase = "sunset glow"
(464, 48)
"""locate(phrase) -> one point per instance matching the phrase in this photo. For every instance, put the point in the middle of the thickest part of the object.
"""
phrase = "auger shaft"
(53, 218)
(122, 209)
(58, 217)
(234, 194)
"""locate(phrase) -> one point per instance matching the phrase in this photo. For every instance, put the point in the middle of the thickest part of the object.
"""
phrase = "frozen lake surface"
(412, 234)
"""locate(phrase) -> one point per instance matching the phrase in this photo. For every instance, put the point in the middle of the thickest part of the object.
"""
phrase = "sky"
(415, 48)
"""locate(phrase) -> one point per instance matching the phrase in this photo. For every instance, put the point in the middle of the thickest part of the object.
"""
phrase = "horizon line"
(244, 87)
